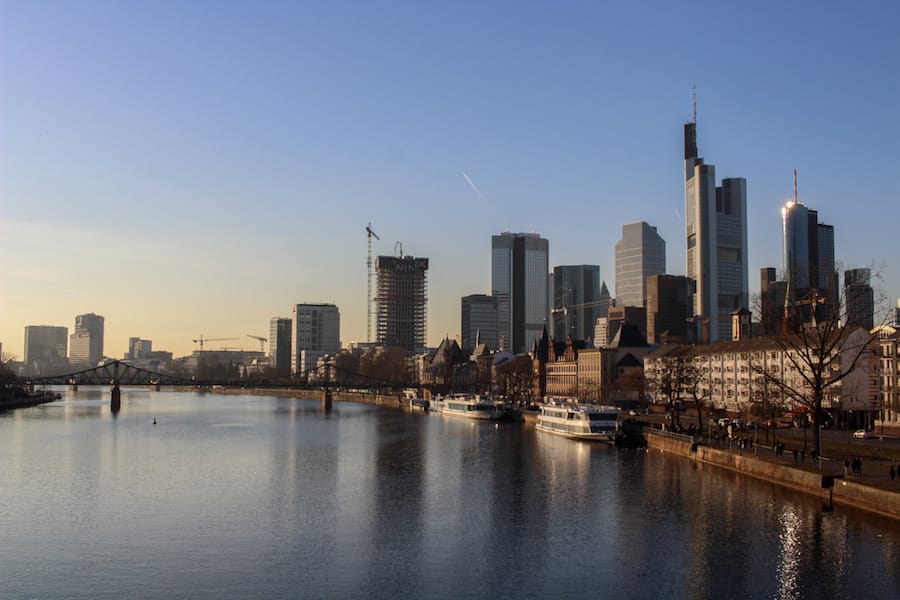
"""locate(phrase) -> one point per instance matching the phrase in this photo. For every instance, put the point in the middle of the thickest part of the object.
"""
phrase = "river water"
(258, 497)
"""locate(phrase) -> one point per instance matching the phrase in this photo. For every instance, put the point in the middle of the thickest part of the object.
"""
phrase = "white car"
(862, 434)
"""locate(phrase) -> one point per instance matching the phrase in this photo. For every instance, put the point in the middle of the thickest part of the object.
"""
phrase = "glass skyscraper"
(640, 253)
(519, 281)
(576, 301)
(715, 240)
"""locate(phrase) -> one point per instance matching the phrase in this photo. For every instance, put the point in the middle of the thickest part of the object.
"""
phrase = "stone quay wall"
(845, 491)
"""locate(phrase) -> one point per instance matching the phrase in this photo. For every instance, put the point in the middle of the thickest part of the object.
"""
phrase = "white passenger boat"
(580, 421)
(469, 407)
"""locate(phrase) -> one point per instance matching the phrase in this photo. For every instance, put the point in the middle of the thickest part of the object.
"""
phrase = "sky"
(188, 168)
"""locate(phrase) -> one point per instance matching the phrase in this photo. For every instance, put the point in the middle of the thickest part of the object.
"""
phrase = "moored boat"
(470, 407)
(580, 421)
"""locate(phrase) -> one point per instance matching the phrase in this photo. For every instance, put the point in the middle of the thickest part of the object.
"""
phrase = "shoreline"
(828, 484)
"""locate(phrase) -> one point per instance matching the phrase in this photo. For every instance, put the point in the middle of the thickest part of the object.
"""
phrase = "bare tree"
(816, 355)
(692, 385)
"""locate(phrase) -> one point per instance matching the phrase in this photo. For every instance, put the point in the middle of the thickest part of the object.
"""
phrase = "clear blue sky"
(199, 167)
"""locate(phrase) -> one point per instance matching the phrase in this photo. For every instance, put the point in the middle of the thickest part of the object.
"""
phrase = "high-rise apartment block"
(86, 342)
(316, 331)
(859, 298)
(45, 348)
(479, 321)
(280, 343)
(716, 240)
(402, 301)
(640, 253)
(576, 301)
(669, 308)
(519, 281)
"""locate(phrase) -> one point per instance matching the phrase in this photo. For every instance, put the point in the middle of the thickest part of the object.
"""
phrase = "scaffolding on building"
(402, 298)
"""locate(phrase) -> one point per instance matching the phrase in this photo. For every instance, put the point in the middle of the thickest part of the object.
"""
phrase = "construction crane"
(262, 341)
(370, 234)
(204, 340)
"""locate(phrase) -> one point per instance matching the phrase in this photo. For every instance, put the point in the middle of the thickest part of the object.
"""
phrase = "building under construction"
(401, 301)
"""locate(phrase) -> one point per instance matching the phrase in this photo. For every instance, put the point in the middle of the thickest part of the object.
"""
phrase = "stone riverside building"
(572, 370)
(731, 378)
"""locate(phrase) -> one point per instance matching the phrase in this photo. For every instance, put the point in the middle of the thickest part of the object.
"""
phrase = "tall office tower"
(86, 343)
(316, 331)
(859, 298)
(401, 301)
(576, 301)
(519, 281)
(138, 348)
(280, 343)
(605, 300)
(716, 239)
(640, 253)
(772, 294)
(808, 259)
(479, 320)
(45, 348)
(668, 308)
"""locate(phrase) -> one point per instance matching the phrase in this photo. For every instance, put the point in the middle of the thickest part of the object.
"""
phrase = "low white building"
(737, 377)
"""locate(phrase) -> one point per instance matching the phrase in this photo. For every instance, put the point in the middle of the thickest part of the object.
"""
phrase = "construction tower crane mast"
(262, 341)
(202, 340)
(369, 234)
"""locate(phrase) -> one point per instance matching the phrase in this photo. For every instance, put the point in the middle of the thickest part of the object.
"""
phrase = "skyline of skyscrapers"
(520, 282)
(715, 240)
(401, 301)
(640, 253)
(576, 301)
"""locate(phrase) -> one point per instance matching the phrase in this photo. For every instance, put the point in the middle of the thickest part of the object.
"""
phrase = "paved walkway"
(875, 472)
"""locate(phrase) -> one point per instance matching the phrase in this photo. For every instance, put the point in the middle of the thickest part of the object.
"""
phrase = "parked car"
(862, 434)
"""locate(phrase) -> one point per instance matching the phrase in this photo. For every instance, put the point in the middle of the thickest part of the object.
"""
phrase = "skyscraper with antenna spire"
(808, 257)
(715, 239)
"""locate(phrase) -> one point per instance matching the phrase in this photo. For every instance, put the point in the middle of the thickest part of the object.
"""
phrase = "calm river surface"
(257, 497)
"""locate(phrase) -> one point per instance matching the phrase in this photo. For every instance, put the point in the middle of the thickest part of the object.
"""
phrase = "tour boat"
(469, 407)
(580, 421)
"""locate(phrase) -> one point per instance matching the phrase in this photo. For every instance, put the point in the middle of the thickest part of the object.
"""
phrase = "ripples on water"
(251, 497)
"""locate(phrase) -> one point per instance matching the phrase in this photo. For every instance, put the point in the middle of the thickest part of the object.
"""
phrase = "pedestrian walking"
(846, 466)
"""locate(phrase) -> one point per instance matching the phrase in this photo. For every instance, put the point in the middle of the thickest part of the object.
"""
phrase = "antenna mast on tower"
(795, 186)
(695, 103)
(370, 234)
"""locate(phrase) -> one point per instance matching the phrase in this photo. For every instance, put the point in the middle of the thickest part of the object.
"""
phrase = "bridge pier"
(73, 385)
(326, 401)
(115, 402)
(155, 387)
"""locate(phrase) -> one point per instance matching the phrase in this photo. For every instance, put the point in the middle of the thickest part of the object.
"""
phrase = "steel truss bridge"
(116, 373)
